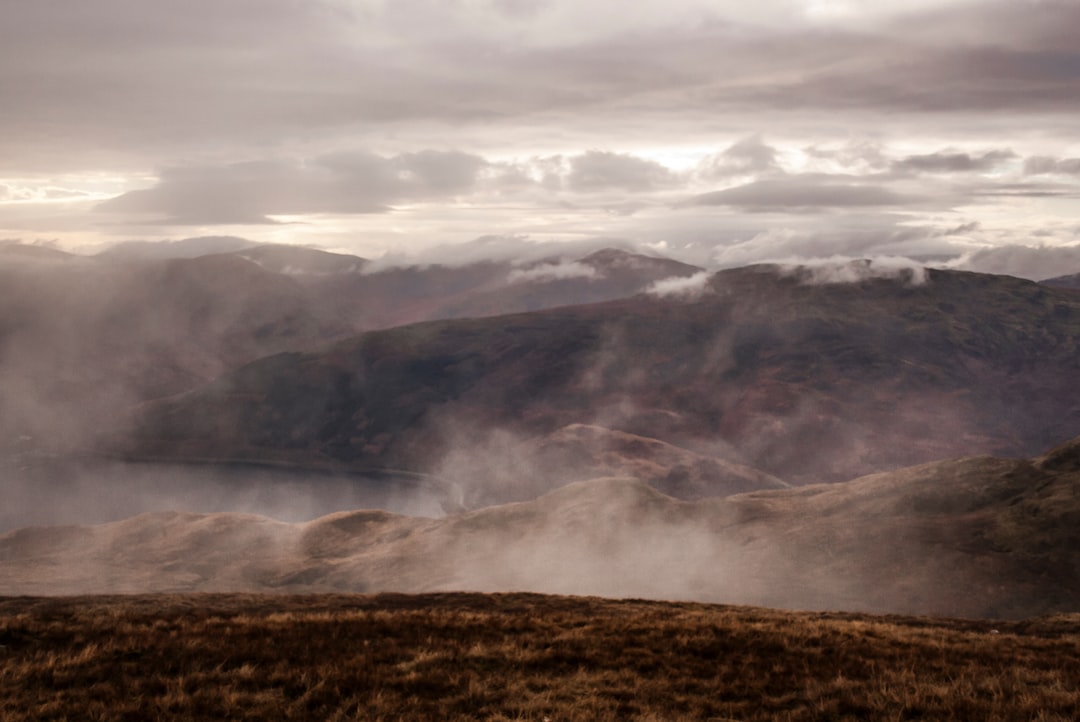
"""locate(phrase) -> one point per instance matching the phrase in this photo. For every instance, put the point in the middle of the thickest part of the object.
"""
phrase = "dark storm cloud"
(802, 192)
(247, 193)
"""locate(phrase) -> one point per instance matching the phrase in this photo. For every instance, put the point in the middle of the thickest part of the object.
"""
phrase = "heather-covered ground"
(517, 657)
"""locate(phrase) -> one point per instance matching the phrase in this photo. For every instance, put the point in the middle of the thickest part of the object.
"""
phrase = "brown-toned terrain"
(84, 338)
(396, 296)
(505, 467)
(517, 657)
(977, 537)
(1071, 281)
(802, 380)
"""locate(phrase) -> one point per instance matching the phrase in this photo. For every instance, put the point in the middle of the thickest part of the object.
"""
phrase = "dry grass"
(517, 657)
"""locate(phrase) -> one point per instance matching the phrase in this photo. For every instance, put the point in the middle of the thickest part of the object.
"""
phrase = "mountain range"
(82, 338)
(605, 423)
(803, 380)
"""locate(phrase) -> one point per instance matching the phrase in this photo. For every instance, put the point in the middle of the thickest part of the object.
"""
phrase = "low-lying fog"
(51, 491)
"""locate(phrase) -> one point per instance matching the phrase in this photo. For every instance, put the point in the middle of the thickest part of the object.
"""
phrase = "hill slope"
(83, 337)
(462, 657)
(400, 295)
(805, 381)
(972, 537)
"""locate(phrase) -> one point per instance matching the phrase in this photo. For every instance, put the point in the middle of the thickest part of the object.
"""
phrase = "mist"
(898, 542)
(66, 491)
(88, 341)
(225, 423)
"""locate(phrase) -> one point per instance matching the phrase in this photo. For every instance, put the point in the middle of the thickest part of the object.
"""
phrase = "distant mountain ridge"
(408, 294)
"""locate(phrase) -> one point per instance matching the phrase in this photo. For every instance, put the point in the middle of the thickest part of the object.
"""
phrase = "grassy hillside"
(517, 657)
(977, 537)
(805, 382)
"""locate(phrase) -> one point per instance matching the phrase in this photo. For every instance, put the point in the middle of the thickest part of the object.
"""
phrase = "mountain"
(802, 379)
(578, 452)
(298, 260)
(83, 339)
(401, 295)
(9, 251)
(168, 250)
(977, 537)
(1070, 281)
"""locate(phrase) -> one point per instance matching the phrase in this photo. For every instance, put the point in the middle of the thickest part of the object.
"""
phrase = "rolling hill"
(976, 537)
(383, 298)
(83, 338)
(802, 380)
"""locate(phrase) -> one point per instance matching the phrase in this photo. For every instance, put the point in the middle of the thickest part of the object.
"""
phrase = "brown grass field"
(517, 657)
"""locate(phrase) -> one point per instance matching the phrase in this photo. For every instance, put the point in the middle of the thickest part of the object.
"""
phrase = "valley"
(859, 438)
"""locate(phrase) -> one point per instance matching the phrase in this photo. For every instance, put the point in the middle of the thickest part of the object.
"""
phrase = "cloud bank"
(383, 128)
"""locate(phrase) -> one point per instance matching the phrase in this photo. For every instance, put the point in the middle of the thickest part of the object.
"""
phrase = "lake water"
(49, 491)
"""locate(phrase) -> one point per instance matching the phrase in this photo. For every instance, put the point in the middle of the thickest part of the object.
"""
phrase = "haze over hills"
(394, 296)
(578, 452)
(638, 446)
(981, 537)
(82, 338)
(85, 339)
(785, 371)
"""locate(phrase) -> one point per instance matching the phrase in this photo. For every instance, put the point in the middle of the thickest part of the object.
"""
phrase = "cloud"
(802, 192)
(857, 156)
(749, 156)
(680, 286)
(850, 236)
(248, 115)
(1023, 189)
(841, 269)
(123, 81)
(251, 192)
(552, 272)
(601, 170)
(1045, 165)
(954, 162)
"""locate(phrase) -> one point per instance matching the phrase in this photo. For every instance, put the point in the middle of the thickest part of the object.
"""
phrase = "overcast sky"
(720, 132)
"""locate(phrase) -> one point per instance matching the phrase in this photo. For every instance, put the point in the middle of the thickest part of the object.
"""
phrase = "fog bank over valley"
(611, 423)
(978, 537)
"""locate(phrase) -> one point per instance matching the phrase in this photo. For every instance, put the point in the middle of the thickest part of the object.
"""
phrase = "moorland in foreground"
(517, 657)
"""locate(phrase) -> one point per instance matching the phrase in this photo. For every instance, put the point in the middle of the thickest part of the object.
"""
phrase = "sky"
(718, 132)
